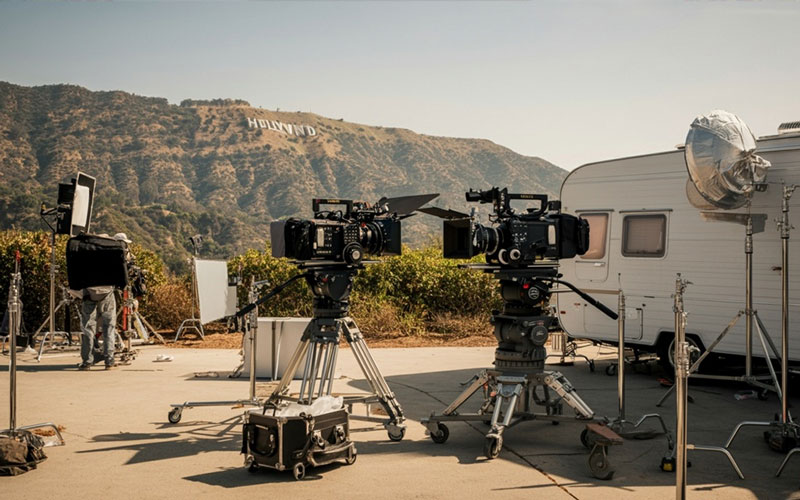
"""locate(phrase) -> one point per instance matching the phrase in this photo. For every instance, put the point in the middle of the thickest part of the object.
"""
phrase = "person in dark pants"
(98, 305)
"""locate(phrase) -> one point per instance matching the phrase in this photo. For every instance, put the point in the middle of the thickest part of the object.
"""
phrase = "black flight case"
(296, 442)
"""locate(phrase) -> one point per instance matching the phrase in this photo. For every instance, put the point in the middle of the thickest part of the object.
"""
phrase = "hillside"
(225, 169)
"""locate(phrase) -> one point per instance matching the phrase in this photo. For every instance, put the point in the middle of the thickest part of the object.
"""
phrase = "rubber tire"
(492, 446)
(587, 439)
(611, 370)
(397, 437)
(442, 435)
(252, 468)
(174, 415)
(299, 471)
(351, 457)
(600, 466)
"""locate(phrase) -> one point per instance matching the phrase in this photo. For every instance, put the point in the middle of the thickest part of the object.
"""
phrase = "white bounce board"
(288, 332)
(215, 298)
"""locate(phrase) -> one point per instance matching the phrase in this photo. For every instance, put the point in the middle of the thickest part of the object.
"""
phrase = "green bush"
(410, 294)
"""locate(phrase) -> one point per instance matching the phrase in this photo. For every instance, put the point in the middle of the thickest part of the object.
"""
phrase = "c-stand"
(14, 321)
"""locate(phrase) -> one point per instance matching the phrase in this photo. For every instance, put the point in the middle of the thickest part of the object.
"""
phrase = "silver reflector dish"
(720, 156)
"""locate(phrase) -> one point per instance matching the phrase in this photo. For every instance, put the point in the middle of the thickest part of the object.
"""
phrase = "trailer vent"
(789, 128)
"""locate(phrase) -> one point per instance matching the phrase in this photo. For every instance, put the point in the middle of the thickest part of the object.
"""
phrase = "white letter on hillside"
(252, 123)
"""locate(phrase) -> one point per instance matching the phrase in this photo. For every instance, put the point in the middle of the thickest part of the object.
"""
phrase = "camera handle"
(316, 202)
(585, 296)
(275, 291)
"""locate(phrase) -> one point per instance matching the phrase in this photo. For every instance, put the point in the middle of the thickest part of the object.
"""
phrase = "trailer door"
(593, 265)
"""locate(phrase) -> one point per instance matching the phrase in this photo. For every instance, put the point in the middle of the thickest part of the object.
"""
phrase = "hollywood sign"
(284, 128)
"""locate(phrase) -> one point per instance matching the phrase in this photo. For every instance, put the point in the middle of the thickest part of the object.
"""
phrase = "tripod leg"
(562, 386)
(291, 369)
(376, 381)
(152, 330)
(477, 382)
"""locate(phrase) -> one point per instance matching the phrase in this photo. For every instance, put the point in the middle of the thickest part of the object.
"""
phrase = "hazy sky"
(572, 82)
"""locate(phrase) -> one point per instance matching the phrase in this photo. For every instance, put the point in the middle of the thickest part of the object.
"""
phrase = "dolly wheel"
(299, 471)
(599, 464)
(351, 457)
(441, 436)
(396, 433)
(588, 439)
(611, 370)
(174, 415)
(492, 446)
(252, 468)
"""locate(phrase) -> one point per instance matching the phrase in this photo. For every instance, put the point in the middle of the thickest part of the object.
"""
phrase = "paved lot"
(119, 444)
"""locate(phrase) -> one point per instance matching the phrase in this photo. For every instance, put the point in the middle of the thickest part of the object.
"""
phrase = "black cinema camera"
(345, 234)
(513, 239)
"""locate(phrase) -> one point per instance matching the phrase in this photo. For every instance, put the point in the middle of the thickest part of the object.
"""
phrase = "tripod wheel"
(599, 464)
(441, 436)
(492, 446)
(174, 415)
(396, 433)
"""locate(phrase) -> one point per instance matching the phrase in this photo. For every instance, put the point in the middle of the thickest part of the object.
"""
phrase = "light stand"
(51, 319)
(14, 321)
(682, 371)
(193, 323)
(619, 424)
(785, 432)
(750, 315)
(251, 326)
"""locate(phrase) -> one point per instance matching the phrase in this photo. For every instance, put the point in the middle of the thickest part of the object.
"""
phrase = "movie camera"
(345, 234)
(514, 239)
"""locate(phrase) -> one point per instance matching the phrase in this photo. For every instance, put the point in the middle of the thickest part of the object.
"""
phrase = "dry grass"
(380, 330)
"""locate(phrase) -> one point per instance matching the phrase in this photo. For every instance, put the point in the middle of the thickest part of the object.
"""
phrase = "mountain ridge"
(225, 169)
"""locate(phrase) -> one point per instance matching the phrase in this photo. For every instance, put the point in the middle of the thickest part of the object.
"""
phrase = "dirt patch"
(217, 338)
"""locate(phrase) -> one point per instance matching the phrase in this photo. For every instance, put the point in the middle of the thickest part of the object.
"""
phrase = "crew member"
(99, 304)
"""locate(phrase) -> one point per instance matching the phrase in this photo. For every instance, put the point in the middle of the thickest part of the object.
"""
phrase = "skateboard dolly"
(598, 438)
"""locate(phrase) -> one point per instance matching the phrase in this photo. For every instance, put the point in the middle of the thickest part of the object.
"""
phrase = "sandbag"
(20, 453)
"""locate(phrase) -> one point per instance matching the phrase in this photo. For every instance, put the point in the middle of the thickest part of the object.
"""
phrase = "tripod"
(67, 300)
(14, 322)
(510, 389)
(134, 323)
(192, 323)
(331, 284)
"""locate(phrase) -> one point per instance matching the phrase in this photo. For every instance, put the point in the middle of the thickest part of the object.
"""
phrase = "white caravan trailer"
(644, 230)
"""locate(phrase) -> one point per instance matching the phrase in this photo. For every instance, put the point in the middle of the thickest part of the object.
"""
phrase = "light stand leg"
(174, 415)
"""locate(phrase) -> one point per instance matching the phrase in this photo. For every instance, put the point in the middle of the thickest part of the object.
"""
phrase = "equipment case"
(296, 442)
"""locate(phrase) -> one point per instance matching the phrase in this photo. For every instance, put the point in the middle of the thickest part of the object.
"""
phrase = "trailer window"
(598, 228)
(644, 235)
